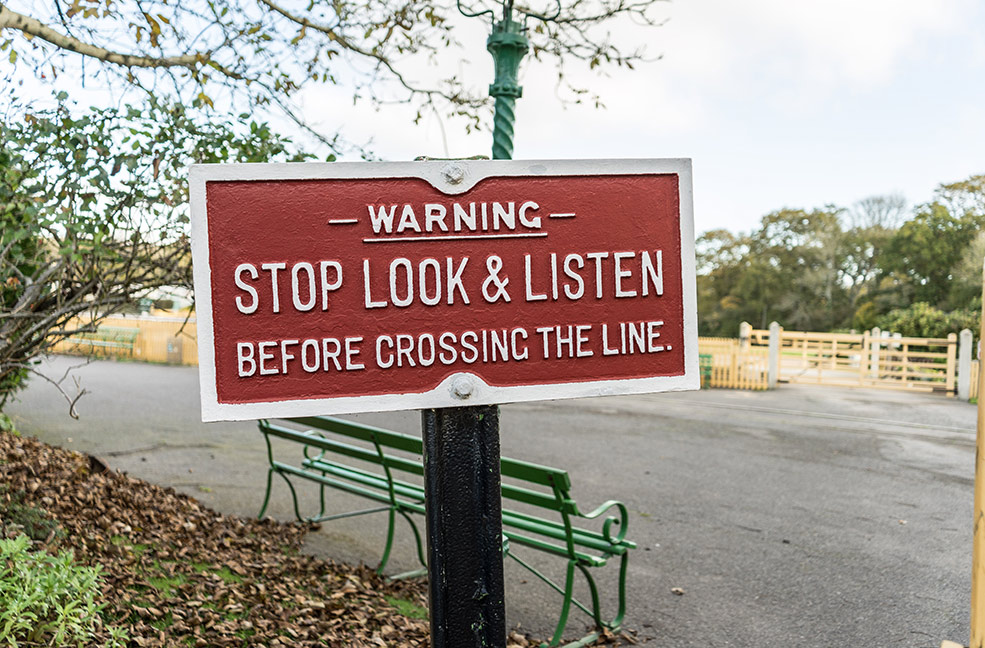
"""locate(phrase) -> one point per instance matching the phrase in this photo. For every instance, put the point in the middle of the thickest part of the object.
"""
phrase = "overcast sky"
(780, 103)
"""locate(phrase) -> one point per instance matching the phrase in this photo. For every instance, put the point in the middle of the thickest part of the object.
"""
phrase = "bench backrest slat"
(386, 438)
(535, 473)
(557, 481)
(330, 445)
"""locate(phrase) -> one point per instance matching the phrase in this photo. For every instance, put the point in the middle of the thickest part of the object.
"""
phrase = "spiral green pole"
(508, 45)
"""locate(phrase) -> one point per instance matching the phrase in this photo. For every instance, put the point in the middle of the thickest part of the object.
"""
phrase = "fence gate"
(864, 360)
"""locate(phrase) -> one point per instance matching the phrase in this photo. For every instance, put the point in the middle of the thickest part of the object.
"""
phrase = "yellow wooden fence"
(725, 364)
(862, 360)
(165, 339)
(975, 379)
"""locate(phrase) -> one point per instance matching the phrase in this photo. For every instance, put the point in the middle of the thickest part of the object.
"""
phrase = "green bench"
(116, 338)
(332, 448)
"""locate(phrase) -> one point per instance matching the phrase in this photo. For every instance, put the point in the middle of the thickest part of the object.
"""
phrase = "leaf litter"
(176, 573)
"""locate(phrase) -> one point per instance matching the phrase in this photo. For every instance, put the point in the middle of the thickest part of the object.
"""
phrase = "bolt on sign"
(351, 287)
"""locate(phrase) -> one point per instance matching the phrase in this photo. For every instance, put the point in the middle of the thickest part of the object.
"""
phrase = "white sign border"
(434, 172)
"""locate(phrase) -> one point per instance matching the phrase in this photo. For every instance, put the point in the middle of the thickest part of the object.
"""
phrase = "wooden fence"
(159, 339)
(864, 360)
(724, 364)
(975, 379)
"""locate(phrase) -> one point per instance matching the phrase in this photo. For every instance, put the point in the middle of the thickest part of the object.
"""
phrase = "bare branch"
(13, 20)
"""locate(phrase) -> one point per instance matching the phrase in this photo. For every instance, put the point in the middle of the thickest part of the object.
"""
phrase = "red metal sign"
(356, 287)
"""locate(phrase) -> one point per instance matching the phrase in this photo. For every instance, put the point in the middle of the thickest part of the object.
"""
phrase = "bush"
(46, 599)
(923, 320)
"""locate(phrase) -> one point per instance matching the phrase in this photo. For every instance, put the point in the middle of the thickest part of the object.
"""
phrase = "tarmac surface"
(806, 516)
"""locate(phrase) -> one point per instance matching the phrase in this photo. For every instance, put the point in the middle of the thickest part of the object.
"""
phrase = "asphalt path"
(805, 516)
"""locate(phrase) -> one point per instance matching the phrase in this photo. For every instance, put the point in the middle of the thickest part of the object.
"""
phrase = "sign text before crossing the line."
(357, 287)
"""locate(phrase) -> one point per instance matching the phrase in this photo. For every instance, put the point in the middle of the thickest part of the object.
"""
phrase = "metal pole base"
(464, 527)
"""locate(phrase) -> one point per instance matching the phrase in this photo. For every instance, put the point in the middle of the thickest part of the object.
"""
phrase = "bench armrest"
(621, 522)
(321, 453)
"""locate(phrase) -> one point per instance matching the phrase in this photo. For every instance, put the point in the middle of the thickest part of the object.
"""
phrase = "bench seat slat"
(556, 549)
(534, 473)
(363, 454)
(379, 496)
(525, 470)
(583, 537)
(315, 441)
(406, 489)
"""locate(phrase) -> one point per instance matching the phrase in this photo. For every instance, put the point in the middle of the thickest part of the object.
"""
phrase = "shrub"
(923, 320)
(46, 599)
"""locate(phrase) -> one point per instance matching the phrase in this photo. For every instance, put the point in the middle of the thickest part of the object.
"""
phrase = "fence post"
(745, 335)
(952, 354)
(964, 364)
(874, 354)
(862, 357)
(773, 372)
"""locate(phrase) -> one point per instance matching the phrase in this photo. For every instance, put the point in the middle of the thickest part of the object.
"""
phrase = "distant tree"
(927, 249)
(871, 224)
(878, 212)
(831, 268)
(789, 270)
(721, 257)
(966, 283)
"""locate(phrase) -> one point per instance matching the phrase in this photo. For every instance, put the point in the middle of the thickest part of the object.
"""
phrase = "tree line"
(913, 270)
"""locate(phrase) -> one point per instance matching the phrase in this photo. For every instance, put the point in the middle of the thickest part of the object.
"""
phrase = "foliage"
(923, 320)
(838, 269)
(260, 54)
(926, 249)
(789, 271)
(95, 214)
(46, 598)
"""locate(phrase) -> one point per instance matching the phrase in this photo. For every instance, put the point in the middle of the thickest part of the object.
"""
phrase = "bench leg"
(569, 586)
(294, 495)
(266, 497)
(321, 501)
(616, 622)
(391, 515)
(596, 606)
(417, 539)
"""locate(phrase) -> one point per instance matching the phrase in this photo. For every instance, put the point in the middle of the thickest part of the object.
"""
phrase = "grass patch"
(139, 549)
(165, 585)
(407, 608)
(228, 575)
(163, 623)
(35, 523)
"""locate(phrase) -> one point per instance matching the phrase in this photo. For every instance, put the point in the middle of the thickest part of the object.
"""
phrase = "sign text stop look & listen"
(334, 288)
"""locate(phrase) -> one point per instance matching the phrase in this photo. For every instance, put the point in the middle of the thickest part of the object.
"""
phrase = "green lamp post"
(508, 44)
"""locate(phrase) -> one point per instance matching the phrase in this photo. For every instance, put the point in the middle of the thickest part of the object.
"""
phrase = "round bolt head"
(453, 173)
(462, 387)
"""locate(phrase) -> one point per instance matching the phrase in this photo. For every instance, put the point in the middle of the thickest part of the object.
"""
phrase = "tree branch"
(13, 20)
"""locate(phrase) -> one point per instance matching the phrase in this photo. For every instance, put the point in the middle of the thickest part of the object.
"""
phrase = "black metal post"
(464, 527)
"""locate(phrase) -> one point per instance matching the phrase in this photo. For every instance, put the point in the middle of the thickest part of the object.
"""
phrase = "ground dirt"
(176, 573)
